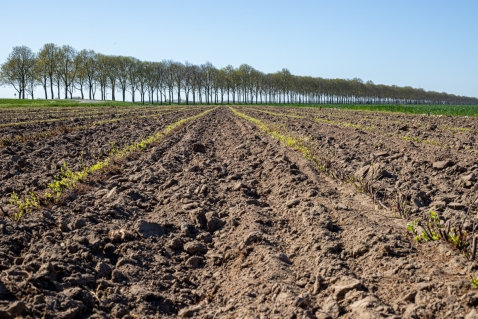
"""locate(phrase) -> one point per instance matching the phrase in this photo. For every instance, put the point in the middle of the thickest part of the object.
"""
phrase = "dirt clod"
(194, 247)
(148, 229)
(442, 164)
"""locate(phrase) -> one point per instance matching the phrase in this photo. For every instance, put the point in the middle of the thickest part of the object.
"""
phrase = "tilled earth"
(30, 166)
(459, 133)
(433, 176)
(220, 220)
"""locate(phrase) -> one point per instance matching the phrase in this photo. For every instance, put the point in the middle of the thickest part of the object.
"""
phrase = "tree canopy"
(87, 72)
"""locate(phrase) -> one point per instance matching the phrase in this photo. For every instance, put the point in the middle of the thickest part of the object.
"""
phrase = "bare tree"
(228, 81)
(102, 74)
(123, 75)
(187, 80)
(177, 70)
(48, 63)
(160, 79)
(82, 61)
(112, 63)
(208, 76)
(89, 67)
(142, 79)
(196, 82)
(18, 69)
(170, 78)
(151, 81)
(32, 80)
(133, 74)
(67, 67)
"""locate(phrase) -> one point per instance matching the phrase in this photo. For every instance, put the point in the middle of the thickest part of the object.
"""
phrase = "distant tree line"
(62, 71)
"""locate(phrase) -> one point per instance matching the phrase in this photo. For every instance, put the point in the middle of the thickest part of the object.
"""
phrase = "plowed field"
(242, 212)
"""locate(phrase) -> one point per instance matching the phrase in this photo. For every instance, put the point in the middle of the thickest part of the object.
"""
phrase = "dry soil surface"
(220, 220)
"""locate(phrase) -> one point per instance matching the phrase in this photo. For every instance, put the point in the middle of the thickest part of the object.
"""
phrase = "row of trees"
(64, 71)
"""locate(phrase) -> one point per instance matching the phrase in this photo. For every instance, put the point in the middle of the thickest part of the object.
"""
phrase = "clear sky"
(432, 44)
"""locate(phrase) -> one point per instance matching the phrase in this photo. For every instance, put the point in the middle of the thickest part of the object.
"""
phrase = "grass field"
(15, 103)
(450, 110)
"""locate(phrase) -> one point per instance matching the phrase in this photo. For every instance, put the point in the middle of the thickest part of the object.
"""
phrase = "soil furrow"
(43, 116)
(10, 130)
(30, 166)
(385, 253)
(432, 178)
(458, 133)
(11, 139)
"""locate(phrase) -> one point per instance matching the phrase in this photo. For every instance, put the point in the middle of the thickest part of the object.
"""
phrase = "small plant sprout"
(401, 206)
(24, 205)
(474, 282)
(433, 229)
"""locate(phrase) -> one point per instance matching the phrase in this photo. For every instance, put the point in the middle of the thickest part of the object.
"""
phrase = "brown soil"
(459, 133)
(25, 123)
(30, 166)
(408, 166)
(220, 220)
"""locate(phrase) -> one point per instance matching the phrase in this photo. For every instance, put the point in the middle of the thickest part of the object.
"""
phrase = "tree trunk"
(51, 88)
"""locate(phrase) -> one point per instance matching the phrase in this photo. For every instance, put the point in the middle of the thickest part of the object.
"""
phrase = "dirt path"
(221, 221)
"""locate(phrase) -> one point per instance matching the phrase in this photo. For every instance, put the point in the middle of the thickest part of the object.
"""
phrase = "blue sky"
(427, 44)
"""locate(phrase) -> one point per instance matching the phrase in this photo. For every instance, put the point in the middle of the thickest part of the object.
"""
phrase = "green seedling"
(24, 205)
(432, 142)
(411, 139)
(113, 148)
(433, 229)
(474, 282)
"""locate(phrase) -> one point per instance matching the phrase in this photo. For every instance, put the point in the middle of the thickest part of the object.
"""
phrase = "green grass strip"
(278, 114)
(297, 144)
(343, 124)
(24, 103)
(449, 110)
